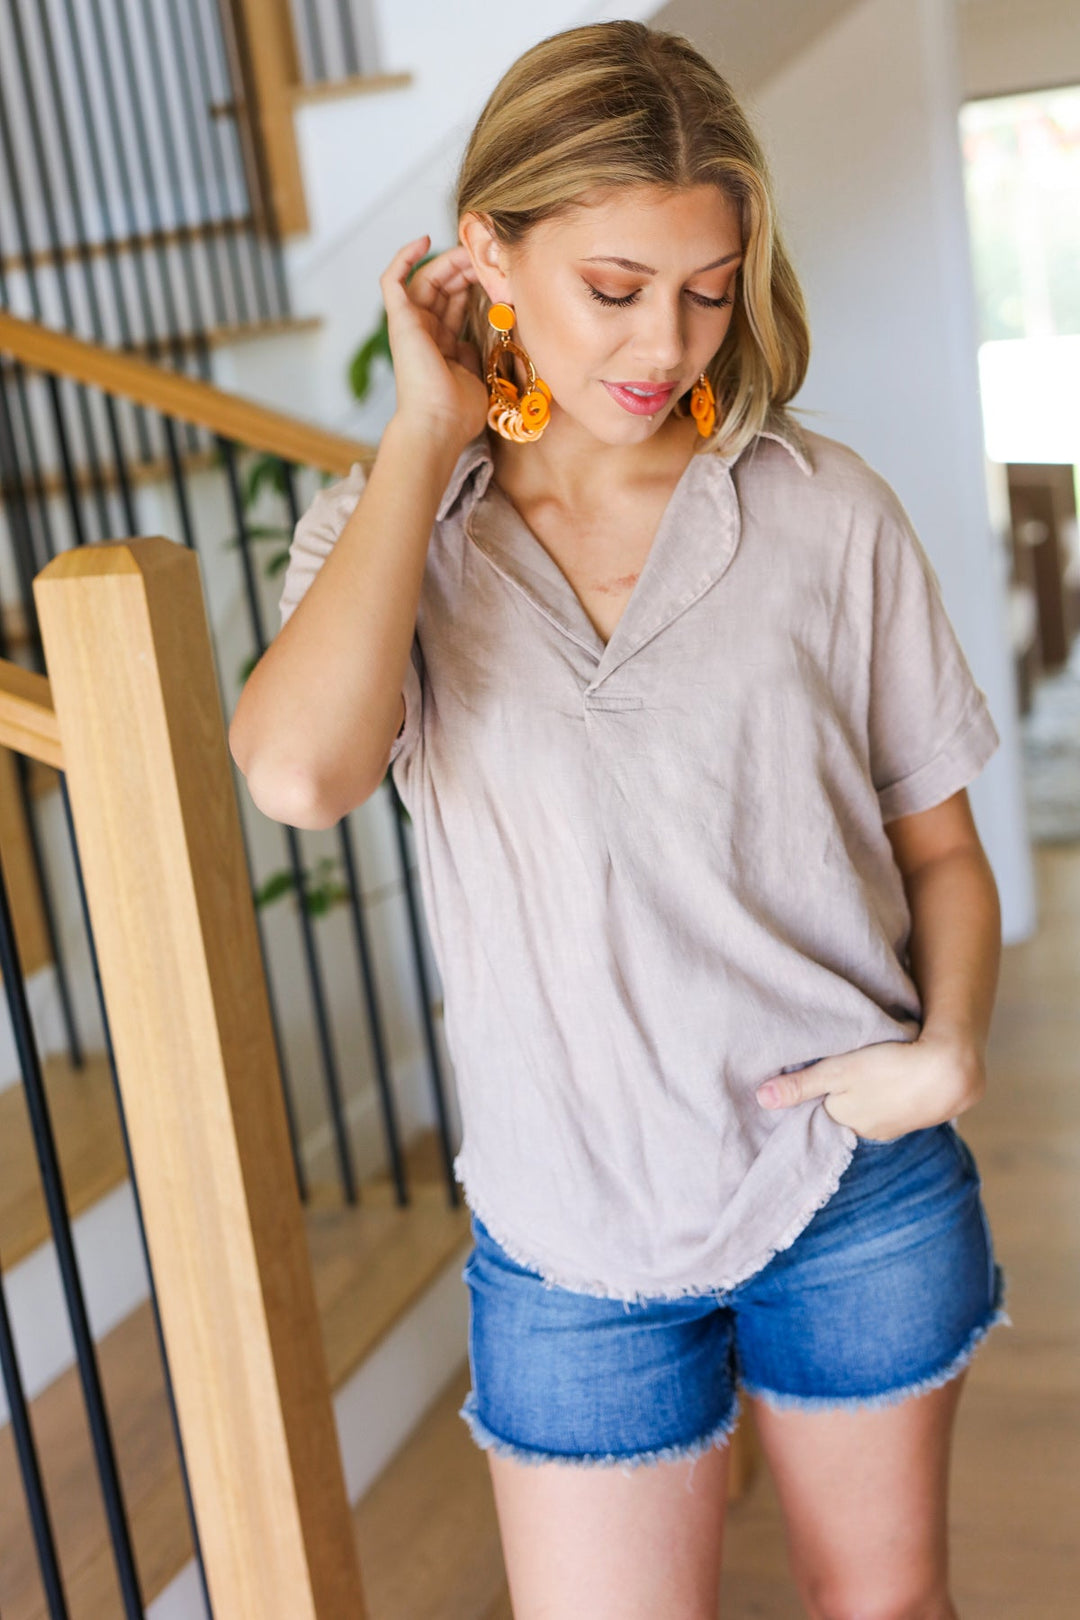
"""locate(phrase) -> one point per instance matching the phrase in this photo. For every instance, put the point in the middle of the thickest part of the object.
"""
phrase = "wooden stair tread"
(157, 470)
(353, 84)
(369, 1264)
(426, 1529)
(88, 1141)
(168, 236)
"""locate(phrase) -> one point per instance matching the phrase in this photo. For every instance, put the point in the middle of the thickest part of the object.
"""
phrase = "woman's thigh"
(864, 1496)
(852, 1345)
(609, 1544)
(606, 1425)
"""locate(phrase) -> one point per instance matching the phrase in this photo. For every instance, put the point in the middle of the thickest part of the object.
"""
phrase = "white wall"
(1006, 47)
(862, 135)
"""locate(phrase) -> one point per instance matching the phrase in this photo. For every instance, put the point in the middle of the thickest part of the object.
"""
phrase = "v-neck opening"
(671, 577)
(564, 578)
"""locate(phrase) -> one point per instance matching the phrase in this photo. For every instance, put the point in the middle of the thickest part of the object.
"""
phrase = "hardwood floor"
(427, 1532)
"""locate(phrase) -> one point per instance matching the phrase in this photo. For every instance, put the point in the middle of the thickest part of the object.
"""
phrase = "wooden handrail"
(187, 398)
(28, 722)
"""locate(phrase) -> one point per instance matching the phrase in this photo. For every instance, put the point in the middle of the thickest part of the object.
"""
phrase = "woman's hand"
(439, 387)
(887, 1089)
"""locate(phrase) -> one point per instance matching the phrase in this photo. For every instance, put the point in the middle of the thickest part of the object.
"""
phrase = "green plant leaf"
(326, 897)
(263, 470)
(376, 346)
(259, 531)
(277, 884)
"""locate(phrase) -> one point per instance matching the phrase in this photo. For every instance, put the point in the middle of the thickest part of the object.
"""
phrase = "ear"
(489, 257)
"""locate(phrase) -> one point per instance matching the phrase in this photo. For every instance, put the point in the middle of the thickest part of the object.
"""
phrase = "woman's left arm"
(891, 1087)
(955, 944)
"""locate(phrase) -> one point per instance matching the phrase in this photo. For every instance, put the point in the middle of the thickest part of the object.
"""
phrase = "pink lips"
(651, 398)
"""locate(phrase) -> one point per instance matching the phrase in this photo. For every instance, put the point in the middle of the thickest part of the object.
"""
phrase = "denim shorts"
(883, 1295)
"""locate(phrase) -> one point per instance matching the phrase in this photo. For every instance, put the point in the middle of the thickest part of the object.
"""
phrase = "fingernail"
(768, 1095)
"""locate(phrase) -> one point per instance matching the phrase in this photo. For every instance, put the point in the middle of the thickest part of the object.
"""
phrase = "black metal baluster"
(135, 93)
(14, 370)
(36, 1501)
(53, 1187)
(103, 1009)
(374, 1016)
(316, 49)
(22, 230)
(438, 1085)
(229, 206)
(97, 323)
(188, 531)
(194, 132)
(22, 551)
(17, 509)
(348, 37)
(272, 249)
(154, 348)
(363, 952)
(292, 841)
(44, 184)
(133, 225)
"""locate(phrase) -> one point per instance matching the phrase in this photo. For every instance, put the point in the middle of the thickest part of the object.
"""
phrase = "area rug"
(1051, 745)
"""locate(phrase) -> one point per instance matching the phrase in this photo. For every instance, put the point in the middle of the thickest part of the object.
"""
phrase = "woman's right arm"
(318, 714)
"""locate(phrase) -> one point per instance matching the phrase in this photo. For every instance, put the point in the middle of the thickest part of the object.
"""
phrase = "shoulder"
(825, 485)
(329, 511)
(843, 475)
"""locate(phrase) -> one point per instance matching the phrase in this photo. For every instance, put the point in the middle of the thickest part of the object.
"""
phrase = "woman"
(668, 688)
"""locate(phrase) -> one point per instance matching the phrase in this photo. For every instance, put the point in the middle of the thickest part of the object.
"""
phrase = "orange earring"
(523, 417)
(703, 406)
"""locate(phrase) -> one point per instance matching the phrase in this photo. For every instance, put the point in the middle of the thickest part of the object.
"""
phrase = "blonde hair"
(620, 104)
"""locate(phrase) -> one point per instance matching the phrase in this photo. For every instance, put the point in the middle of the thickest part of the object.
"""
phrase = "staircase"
(392, 1309)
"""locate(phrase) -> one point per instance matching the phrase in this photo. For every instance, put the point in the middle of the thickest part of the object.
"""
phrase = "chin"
(630, 430)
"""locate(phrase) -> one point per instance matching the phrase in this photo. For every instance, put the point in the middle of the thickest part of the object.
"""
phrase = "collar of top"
(694, 545)
(477, 457)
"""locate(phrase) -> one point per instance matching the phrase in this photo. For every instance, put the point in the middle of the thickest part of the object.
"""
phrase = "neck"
(576, 469)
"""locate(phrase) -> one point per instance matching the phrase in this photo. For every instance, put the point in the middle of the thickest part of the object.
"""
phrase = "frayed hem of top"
(600, 1290)
(487, 1440)
(892, 1397)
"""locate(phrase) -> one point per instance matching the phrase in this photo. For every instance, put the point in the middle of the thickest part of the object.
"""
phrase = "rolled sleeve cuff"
(954, 765)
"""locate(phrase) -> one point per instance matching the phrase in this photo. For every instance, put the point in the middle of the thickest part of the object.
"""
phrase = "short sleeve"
(930, 729)
(313, 540)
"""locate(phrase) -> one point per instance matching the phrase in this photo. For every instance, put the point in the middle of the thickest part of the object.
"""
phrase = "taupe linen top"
(655, 871)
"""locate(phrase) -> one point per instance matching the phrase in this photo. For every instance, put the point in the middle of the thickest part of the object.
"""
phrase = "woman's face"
(621, 303)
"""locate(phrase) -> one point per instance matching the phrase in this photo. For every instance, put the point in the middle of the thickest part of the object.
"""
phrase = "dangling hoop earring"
(703, 406)
(523, 418)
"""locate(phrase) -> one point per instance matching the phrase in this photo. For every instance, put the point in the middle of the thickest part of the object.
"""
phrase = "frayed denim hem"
(892, 1397)
(487, 1440)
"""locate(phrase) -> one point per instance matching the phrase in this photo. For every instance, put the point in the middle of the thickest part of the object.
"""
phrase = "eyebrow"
(647, 270)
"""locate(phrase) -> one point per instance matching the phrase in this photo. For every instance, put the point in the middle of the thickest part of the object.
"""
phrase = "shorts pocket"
(964, 1154)
(874, 1144)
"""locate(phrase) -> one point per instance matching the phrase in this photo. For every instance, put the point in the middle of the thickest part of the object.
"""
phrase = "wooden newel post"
(149, 778)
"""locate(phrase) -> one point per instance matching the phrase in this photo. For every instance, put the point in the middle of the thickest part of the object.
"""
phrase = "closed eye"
(622, 303)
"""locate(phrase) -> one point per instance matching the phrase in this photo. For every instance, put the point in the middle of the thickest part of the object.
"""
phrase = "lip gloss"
(643, 404)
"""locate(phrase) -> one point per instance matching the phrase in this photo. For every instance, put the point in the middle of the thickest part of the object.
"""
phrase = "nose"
(659, 341)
